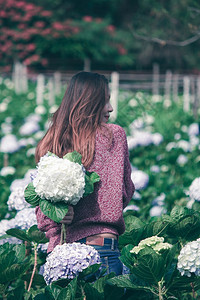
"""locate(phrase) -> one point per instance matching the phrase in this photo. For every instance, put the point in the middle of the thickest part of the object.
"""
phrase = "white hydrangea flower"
(157, 211)
(68, 260)
(155, 242)
(9, 144)
(132, 207)
(170, 146)
(140, 179)
(25, 218)
(185, 145)
(29, 128)
(189, 259)
(194, 189)
(59, 180)
(157, 138)
(4, 226)
(144, 138)
(193, 129)
(182, 159)
(40, 110)
(155, 169)
(7, 171)
(16, 199)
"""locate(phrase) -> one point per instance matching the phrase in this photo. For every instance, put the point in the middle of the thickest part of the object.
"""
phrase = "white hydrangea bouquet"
(58, 183)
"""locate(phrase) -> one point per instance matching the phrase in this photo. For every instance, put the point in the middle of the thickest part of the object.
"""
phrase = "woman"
(80, 124)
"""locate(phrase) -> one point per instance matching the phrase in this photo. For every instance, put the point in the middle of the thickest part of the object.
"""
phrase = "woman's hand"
(68, 217)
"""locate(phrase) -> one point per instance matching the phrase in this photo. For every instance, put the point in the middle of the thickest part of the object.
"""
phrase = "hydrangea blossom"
(29, 128)
(157, 211)
(7, 171)
(155, 242)
(189, 259)
(16, 199)
(140, 179)
(59, 180)
(9, 144)
(4, 226)
(132, 207)
(25, 218)
(182, 159)
(68, 260)
(193, 129)
(194, 189)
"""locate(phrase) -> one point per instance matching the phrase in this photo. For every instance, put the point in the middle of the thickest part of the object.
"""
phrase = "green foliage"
(12, 263)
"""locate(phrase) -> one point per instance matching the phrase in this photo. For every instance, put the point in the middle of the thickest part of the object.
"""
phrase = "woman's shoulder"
(117, 130)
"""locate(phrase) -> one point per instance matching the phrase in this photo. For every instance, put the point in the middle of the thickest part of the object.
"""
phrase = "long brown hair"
(75, 123)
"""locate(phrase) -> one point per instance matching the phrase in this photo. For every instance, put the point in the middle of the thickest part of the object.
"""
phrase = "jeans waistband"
(99, 241)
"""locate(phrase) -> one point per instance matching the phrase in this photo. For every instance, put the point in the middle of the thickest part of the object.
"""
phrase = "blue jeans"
(109, 255)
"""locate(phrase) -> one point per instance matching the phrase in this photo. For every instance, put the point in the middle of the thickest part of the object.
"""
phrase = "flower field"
(160, 247)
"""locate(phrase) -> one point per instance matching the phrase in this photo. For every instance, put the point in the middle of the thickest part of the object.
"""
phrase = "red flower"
(46, 13)
(87, 19)
(110, 28)
(39, 24)
(30, 47)
(58, 26)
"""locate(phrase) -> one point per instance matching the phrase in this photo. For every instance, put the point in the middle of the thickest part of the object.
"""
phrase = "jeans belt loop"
(113, 244)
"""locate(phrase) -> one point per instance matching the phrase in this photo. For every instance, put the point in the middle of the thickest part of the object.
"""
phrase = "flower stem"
(63, 234)
(34, 267)
(160, 290)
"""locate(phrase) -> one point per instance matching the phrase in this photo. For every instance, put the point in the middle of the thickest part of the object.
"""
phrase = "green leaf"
(14, 272)
(36, 235)
(129, 281)
(69, 292)
(134, 231)
(54, 211)
(89, 270)
(127, 257)
(53, 291)
(155, 228)
(19, 233)
(38, 280)
(20, 252)
(149, 265)
(178, 212)
(94, 177)
(6, 260)
(74, 157)
(30, 195)
(90, 179)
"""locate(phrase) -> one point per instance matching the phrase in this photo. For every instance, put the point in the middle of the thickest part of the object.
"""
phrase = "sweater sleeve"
(47, 225)
(128, 185)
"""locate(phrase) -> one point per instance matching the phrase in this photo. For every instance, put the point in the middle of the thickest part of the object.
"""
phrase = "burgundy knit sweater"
(101, 211)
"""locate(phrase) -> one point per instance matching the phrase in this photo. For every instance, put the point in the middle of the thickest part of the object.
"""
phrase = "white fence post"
(186, 93)
(57, 81)
(155, 83)
(168, 83)
(40, 89)
(51, 92)
(175, 84)
(114, 94)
